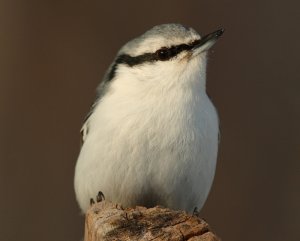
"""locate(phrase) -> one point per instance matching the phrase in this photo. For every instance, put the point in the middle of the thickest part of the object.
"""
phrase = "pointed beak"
(207, 41)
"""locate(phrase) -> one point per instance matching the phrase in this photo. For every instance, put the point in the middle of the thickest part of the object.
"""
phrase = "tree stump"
(108, 221)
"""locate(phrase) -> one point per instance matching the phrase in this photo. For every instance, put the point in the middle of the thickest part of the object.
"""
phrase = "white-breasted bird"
(151, 137)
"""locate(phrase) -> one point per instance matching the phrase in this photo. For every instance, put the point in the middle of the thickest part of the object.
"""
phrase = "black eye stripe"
(150, 57)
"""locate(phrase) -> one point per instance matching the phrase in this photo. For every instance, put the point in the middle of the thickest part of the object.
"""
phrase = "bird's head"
(163, 56)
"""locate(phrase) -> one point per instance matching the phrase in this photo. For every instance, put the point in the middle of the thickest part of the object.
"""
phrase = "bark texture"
(108, 221)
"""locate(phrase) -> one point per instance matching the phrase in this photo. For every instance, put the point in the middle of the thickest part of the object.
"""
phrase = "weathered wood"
(107, 221)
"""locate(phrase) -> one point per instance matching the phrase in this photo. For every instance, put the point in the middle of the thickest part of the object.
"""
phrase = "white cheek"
(161, 76)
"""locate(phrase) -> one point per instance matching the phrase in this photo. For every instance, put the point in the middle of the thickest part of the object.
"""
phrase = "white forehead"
(164, 35)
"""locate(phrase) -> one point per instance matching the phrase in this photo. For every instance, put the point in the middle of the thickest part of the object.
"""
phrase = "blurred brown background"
(54, 53)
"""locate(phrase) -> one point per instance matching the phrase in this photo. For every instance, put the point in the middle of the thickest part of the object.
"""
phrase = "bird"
(152, 135)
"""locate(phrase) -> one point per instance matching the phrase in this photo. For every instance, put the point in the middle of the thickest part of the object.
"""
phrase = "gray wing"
(101, 90)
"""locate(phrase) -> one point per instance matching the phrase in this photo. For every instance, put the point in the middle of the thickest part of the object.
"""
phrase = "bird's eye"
(182, 47)
(163, 54)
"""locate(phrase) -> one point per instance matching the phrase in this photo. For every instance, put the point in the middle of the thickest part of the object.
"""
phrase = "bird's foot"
(99, 198)
(196, 212)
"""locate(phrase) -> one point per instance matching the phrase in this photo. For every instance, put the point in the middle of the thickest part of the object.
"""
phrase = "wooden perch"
(107, 221)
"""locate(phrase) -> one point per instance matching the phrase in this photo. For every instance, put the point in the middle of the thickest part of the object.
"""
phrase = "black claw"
(92, 202)
(100, 197)
(196, 212)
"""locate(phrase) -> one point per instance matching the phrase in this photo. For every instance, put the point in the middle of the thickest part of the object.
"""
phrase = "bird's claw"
(196, 212)
(100, 197)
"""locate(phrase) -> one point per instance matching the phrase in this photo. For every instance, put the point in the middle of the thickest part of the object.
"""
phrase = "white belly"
(163, 155)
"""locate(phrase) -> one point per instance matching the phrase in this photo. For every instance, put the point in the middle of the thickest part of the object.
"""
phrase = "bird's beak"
(207, 41)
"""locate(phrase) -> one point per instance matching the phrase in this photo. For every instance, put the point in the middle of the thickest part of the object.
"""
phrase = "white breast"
(149, 148)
